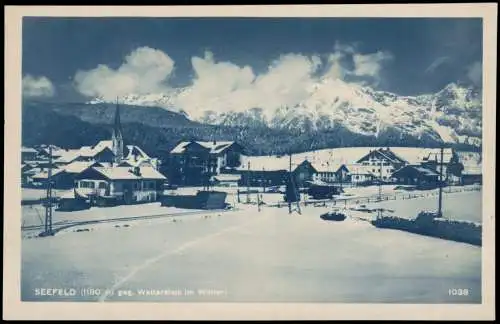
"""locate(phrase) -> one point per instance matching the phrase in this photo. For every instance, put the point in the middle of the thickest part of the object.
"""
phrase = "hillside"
(157, 130)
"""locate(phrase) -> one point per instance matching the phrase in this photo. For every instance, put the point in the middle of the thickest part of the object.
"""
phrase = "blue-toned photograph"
(307, 160)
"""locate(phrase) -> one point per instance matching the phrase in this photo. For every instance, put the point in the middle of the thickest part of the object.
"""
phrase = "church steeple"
(117, 136)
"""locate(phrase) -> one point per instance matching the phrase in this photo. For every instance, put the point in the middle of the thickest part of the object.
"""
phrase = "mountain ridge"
(156, 130)
(452, 115)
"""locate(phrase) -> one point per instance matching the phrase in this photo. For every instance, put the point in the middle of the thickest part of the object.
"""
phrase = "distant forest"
(158, 131)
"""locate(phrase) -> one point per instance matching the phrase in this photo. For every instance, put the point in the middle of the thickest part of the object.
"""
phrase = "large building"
(382, 163)
(265, 171)
(121, 184)
(194, 162)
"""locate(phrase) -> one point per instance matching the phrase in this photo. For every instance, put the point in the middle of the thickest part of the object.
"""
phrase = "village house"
(325, 172)
(330, 172)
(359, 174)
(226, 180)
(121, 185)
(28, 154)
(417, 175)
(194, 162)
(263, 171)
(381, 163)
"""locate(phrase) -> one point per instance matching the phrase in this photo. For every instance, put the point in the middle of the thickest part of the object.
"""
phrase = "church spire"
(117, 137)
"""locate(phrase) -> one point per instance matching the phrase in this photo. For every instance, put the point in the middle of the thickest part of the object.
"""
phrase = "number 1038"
(458, 292)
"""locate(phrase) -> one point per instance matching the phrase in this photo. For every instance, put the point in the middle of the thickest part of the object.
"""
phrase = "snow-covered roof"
(419, 169)
(386, 153)
(214, 147)
(90, 151)
(28, 150)
(227, 177)
(124, 173)
(471, 161)
(416, 155)
(77, 166)
(45, 173)
(56, 151)
(267, 163)
(133, 151)
(32, 171)
(68, 156)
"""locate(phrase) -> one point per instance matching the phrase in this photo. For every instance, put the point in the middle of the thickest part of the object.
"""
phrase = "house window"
(86, 184)
(152, 185)
(136, 185)
(102, 185)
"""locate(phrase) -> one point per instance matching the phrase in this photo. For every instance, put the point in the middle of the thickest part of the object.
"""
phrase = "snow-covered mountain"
(453, 114)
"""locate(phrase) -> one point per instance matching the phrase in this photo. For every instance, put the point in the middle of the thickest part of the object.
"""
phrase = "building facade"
(381, 164)
(126, 185)
(195, 162)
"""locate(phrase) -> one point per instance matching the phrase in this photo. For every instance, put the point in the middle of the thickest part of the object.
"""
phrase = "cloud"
(37, 86)
(437, 63)
(223, 86)
(370, 65)
(145, 70)
(365, 67)
(475, 73)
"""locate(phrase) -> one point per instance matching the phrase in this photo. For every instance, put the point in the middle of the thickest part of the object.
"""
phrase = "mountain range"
(452, 115)
(335, 114)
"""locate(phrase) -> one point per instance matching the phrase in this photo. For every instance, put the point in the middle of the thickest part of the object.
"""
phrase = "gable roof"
(417, 168)
(67, 156)
(227, 177)
(45, 174)
(215, 148)
(28, 150)
(386, 153)
(125, 173)
(133, 151)
(77, 166)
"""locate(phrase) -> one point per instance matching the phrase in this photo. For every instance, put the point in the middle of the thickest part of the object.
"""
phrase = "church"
(129, 177)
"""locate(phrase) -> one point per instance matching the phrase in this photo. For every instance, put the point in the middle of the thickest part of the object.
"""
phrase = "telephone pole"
(289, 183)
(48, 203)
(380, 182)
(440, 203)
(248, 183)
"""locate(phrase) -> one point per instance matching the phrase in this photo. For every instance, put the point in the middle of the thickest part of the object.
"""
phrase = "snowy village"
(116, 186)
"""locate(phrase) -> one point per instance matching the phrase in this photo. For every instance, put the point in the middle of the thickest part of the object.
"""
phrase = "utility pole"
(380, 182)
(48, 203)
(440, 205)
(248, 183)
(289, 183)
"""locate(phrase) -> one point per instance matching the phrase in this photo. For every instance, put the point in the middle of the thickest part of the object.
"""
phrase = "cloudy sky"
(234, 58)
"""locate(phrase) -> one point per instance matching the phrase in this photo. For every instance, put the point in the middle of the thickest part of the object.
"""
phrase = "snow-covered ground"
(35, 193)
(457, 206)
(465, 205)
(254, 256)
(33, 215)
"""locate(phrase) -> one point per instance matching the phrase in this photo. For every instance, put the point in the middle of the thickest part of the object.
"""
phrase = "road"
(250, 256)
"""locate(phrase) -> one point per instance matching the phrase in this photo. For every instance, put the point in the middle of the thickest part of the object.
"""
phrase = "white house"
(381, 163)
